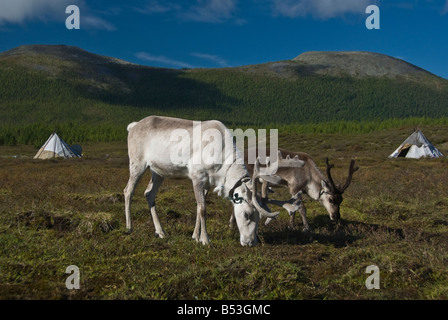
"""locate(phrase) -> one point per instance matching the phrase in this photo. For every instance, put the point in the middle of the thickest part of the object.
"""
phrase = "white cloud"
(92, 22)
(17, 11)
(445, 9)
(20, 11)
(212, 58)
(322, 9)
(145, 56)
(162, 59)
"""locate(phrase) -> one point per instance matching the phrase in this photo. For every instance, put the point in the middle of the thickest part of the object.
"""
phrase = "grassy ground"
(57, 213)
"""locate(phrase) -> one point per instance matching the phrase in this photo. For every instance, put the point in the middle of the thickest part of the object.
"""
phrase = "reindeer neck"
(314, 190)
(314, 186)
(233, 169)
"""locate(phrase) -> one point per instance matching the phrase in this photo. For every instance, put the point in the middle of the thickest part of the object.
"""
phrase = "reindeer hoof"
(160, 235)
(195, 237)
(128, 231)
(205, 242)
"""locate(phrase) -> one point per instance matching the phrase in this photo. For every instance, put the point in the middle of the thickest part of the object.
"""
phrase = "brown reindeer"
(307, 179)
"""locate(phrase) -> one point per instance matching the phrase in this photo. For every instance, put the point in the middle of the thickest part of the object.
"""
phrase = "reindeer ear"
(248, 187)
(324, 185)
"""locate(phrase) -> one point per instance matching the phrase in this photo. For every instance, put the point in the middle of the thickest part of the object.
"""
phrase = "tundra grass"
(58, 213)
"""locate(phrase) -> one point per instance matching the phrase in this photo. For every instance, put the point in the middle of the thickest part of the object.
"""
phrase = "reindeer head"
(331, 194)
(248, 210)
(247, 207)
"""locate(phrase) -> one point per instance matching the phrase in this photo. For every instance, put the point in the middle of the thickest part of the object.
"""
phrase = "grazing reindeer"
(309, 180)
(153, 144)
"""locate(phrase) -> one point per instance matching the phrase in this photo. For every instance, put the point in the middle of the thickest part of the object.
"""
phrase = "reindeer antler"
(255, 176)
(330, 179)
(288, 162)
(352, 169)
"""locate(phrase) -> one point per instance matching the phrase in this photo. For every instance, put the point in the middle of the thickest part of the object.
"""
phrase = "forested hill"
(57, 85)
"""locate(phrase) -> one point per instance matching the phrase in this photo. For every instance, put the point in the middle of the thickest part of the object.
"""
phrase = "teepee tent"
(56, 147)
(416, 146)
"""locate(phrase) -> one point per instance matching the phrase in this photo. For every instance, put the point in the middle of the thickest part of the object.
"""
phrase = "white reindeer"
(213, 160)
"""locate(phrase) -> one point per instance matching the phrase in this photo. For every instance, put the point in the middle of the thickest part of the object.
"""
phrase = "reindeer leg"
(292, 215)
(197, 228)
(264, 192)
(302, 210)
(295, 202)
(150, 194)
(136, 170)
(200, 227)
(292, 205)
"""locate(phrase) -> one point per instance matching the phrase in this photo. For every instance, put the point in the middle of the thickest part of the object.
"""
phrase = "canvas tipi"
(415, 147)
(56, 147)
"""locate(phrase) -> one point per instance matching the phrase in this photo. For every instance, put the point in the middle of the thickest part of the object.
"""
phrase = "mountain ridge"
(57, 84)
(332, 63)
(361, 63)
(62, 51)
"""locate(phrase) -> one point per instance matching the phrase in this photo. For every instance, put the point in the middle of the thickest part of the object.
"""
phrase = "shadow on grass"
(338, 234)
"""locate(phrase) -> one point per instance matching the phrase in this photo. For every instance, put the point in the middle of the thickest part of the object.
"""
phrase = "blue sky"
(225, 33)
